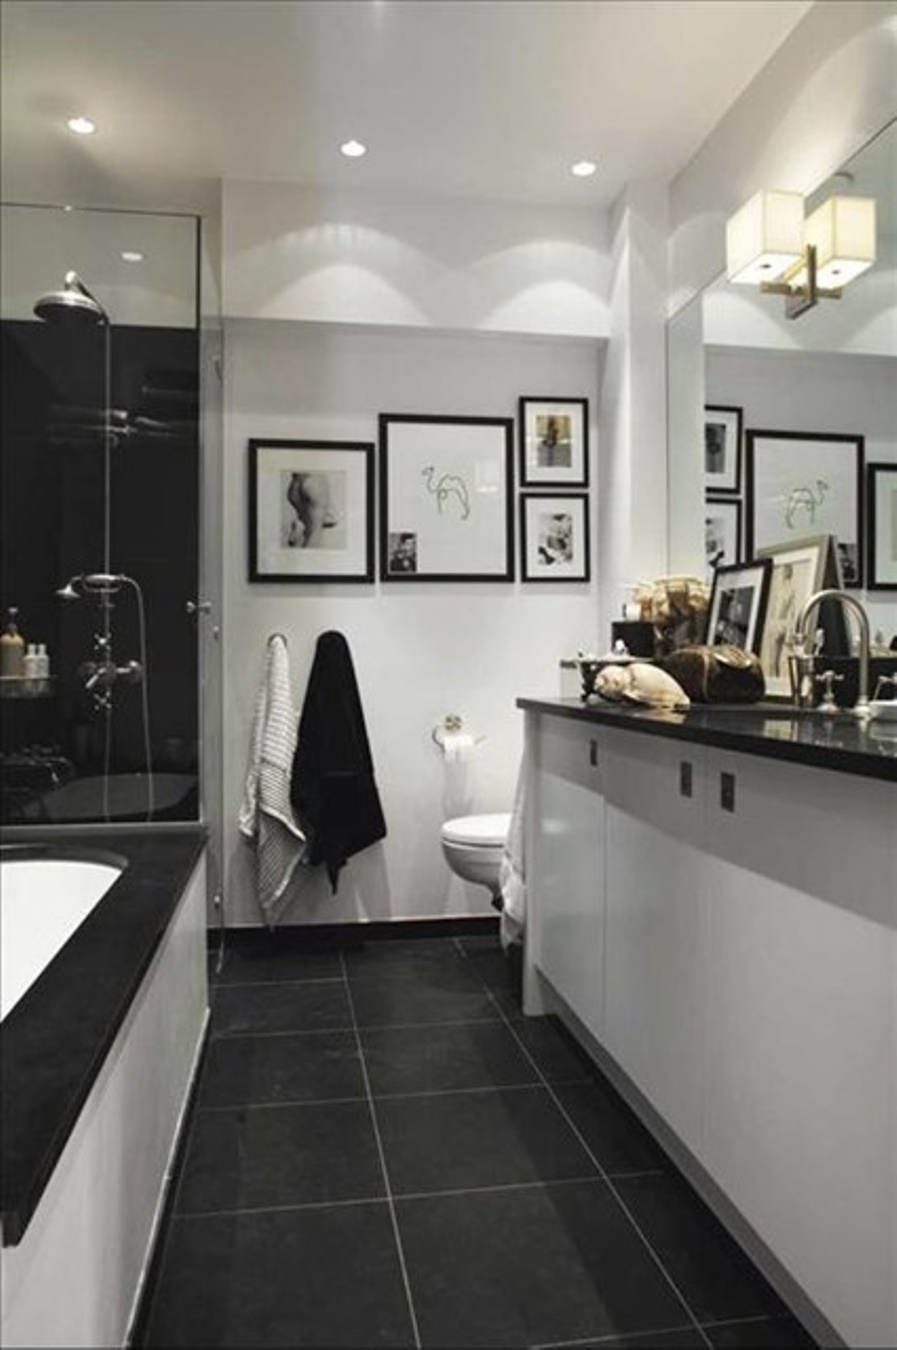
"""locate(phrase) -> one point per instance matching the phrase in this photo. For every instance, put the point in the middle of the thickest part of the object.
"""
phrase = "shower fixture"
(74, 304)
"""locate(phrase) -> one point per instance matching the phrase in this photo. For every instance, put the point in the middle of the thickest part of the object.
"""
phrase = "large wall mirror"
(832, 373)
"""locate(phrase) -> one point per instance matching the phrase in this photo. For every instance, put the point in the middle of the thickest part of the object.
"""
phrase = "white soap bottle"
(43, 662)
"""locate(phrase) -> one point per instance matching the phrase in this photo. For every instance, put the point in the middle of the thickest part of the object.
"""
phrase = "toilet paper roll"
(457, 745)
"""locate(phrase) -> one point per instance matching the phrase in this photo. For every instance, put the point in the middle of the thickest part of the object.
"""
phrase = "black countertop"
(54, 1041)
(772, 730)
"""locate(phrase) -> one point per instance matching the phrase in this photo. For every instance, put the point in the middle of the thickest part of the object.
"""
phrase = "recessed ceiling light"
(353, 149)
(82, 126)
(583, 168)
(130, 255)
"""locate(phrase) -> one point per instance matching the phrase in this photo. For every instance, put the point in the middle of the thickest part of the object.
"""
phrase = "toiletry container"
(12, 648)
(43, 662)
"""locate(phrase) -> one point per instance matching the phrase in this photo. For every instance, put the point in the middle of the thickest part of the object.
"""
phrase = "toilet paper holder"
(451, 725)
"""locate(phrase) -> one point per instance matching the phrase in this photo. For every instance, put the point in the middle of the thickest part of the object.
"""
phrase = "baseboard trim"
(354, 934)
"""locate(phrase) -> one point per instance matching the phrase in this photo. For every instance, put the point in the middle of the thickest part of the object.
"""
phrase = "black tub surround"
(770, 730)
(55, 1040)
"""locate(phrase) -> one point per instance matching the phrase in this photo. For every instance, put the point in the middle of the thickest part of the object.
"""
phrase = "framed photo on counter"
(738, 604)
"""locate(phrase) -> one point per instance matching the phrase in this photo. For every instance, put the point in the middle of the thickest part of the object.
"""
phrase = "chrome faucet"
(853, 606)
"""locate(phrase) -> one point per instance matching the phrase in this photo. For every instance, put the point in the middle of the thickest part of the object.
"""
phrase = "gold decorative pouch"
(720, 674)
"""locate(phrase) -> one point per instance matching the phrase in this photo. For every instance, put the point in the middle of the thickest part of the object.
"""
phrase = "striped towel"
(266, 814)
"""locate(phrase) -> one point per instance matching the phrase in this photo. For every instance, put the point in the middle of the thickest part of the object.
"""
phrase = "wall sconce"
(771, 244)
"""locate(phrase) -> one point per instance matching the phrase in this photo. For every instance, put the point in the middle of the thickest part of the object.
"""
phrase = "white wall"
(420, 650)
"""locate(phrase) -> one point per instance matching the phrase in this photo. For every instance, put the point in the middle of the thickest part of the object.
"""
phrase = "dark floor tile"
(264, 1156)
(558, 1058)
(675, 1338)
(479, 942)
(531, 1265)
(493, 967)
(443, 1058)
(242, 1070)
(312, 1277)
(460, 1140)
(269, 956)
(716, 1278)
(610, 1129)
(387, 958)
(279, 1007)
(777, 1333)
(411, 1001)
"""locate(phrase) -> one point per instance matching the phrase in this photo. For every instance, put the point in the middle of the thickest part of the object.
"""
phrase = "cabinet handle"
(727, 791)
(593, 753)
(686, 787)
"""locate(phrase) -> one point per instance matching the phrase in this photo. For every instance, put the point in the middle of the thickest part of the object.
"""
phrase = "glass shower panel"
(100, 500)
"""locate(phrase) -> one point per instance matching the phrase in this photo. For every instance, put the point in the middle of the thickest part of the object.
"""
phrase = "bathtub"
(60, 893)
(99, 1048)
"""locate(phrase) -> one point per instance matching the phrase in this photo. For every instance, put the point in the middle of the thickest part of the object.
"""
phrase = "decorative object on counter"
(798, 570)
(677, 609)
(12, 648)
(637, 682)
(722, 449)
(738, 604)
(800, 483)
(638, 637)
(311, 511)
(554, 537)
(722, 532)
(717, 674)
(446, 510)
(881, 515)
(554, 442)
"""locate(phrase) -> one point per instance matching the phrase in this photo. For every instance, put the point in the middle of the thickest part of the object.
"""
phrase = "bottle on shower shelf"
(12, 647)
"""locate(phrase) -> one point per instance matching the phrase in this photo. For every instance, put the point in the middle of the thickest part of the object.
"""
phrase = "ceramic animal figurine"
(637, 682)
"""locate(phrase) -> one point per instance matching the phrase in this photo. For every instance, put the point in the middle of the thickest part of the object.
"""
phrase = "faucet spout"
(852, 606)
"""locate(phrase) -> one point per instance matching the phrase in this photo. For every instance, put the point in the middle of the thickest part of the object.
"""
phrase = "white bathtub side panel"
(73, 1278)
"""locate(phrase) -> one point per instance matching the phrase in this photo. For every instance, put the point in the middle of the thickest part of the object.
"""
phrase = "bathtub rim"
(54, 1042)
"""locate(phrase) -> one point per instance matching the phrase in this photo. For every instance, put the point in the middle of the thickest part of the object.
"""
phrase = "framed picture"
(311, 507)
(738, 604)
(554, 537)
(801, 483)
(554, 442)
(798, 570)
(722, 532)
(445, 498)
(722, 449)
(881, 513)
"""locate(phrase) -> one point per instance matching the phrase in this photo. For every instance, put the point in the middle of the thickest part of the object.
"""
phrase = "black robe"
(332, 789)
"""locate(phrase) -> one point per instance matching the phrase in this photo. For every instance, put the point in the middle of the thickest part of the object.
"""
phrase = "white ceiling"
(486, 98)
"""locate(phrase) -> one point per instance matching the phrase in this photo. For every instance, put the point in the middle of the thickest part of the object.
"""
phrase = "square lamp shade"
(765, 238)
(842, 230)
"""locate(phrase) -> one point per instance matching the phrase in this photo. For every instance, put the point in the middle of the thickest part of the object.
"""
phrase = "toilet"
(472, 847)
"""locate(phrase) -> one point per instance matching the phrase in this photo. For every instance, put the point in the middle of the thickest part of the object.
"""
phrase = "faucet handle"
(828, 679)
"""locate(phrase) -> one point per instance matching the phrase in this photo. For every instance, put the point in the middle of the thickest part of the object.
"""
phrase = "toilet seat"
(489, 831)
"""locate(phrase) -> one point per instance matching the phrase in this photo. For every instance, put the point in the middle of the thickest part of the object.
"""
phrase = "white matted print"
(797, 572)
(722, 532)
(554, 537)
(310, 510)
(445, 498)
(801, 484)
(722, 448)
(882, 517)
(554, 442)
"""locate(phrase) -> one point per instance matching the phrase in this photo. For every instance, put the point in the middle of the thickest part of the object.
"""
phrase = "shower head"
(74, 305)
(68, 592)
(92, 583)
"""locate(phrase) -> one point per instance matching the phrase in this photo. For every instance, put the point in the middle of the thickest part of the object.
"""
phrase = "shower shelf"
(26, 686)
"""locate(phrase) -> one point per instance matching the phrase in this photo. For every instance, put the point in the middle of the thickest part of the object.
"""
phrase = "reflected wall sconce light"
(770, 243)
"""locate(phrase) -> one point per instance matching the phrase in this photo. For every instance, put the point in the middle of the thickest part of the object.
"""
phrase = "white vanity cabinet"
(746, 912)
(565, 839)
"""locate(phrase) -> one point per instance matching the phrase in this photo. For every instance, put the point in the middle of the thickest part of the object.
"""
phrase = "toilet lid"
(477, 829)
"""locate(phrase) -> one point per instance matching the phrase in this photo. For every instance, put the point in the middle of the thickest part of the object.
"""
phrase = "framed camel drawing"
(446, 498)
(805, 483)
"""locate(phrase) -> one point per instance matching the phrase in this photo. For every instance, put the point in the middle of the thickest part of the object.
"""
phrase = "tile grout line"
(375, 1027)
(382, 1155)
(603, 1174)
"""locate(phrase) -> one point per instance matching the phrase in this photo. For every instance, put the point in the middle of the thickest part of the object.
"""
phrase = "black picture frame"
(801, 483)
(723, 439)
(553, 442)
(554, 537)
(446, 498)
(722, 531)
(881, 517)
(737, 609)
(311, 511)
